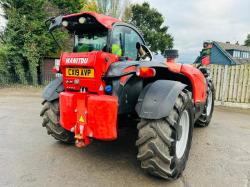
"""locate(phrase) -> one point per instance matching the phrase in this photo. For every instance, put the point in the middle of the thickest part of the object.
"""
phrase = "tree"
(150, 22)
(90, 6)
(3, 64)
(25, 40)
(127, 13)
(69, 6)
(114, 8)
(247, 41)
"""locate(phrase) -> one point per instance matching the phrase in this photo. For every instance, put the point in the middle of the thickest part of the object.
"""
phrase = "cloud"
(2, 20)
(194, 21)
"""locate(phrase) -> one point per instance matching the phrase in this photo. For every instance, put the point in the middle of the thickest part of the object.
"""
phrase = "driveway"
(220, 153)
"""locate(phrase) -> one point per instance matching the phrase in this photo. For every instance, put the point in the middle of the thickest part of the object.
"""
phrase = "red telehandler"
(111, 77)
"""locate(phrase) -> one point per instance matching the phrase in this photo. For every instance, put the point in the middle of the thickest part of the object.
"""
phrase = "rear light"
(145, 72)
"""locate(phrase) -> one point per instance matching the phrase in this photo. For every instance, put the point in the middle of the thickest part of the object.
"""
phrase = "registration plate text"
(80, 72)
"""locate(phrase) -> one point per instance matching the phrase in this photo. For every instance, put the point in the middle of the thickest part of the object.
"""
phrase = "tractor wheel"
(164, 144)
(51, 116)
(207, 113)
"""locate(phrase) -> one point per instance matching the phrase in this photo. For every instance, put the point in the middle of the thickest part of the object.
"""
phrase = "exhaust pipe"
(171, 55)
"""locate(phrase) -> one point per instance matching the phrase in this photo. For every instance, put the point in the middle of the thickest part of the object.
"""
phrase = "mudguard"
(52, 90)
(158, 98)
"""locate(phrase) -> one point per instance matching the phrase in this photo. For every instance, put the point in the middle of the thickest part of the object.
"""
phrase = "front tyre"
(164, 144)
(206, 116)
(51, 116)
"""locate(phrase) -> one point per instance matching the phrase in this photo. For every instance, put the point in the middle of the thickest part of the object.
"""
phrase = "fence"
(15, 81)
(232, 84)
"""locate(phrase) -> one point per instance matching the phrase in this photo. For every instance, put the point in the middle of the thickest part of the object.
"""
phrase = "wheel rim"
(209, 102)
(182, 143)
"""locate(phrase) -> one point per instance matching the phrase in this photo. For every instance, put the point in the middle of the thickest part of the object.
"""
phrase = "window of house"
(245, 54)
(236, 54)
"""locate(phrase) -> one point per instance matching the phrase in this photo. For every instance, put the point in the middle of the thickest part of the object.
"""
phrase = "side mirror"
(55, 23)
(143, 52)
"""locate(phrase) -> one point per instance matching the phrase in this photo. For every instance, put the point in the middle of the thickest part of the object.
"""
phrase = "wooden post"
(211, 69)
(221, 82)
(218, 84)
(228, 81)
(248, 85)
(224, 86)
(244, 85)
(240, 83)
(235, 87)
(231, 83)
(215, 79)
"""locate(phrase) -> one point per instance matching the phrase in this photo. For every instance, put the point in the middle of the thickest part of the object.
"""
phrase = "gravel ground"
(220, 154)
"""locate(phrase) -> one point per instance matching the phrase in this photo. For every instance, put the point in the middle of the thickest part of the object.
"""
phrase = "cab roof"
(106, 21)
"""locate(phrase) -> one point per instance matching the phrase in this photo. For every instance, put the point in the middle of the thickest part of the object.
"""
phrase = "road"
(220, 154)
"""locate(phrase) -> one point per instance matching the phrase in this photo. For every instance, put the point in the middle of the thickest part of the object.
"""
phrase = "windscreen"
(91, 41)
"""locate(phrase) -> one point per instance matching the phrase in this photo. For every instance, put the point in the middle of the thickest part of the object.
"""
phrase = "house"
(229, 54)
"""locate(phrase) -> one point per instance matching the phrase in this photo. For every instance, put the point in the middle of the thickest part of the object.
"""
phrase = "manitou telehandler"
(111, 77)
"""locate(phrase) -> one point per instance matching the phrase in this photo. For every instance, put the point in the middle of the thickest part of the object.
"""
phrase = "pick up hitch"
(81, 139)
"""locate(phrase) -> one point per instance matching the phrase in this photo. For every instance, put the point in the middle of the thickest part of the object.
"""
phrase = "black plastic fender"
(52, 90)
(158, 98)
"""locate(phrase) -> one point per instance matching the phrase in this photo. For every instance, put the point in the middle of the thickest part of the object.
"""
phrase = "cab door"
(125, 37)
(130, 86)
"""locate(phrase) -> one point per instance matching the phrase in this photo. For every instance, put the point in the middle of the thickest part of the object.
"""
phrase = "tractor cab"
(99, 41)
(96, 32)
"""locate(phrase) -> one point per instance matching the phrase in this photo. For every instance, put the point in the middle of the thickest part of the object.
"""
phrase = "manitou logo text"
(77, 60)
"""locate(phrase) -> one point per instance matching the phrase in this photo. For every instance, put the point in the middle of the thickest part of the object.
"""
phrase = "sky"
(192, 22)
(2, 20)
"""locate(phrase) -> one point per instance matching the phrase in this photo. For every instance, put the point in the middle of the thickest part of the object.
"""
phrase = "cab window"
(123, 42)
(117, 41)
(91, 41)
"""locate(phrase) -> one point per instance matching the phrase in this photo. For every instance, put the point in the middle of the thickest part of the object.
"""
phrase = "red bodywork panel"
(195, 76)
(198, 81)
(205, 61)
(89, 115)
(106, 21)
(174, 67)
(84, 107)
(97, 60)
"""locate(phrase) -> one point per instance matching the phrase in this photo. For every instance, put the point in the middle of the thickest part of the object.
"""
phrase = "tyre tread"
(152, 149)
(50, 113)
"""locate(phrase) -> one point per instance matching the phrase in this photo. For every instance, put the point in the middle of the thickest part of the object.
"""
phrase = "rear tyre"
(206, 116)
(51, 117)
(164, 144)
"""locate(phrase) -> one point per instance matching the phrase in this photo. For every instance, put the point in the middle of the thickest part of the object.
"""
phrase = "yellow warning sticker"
(82, 119)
